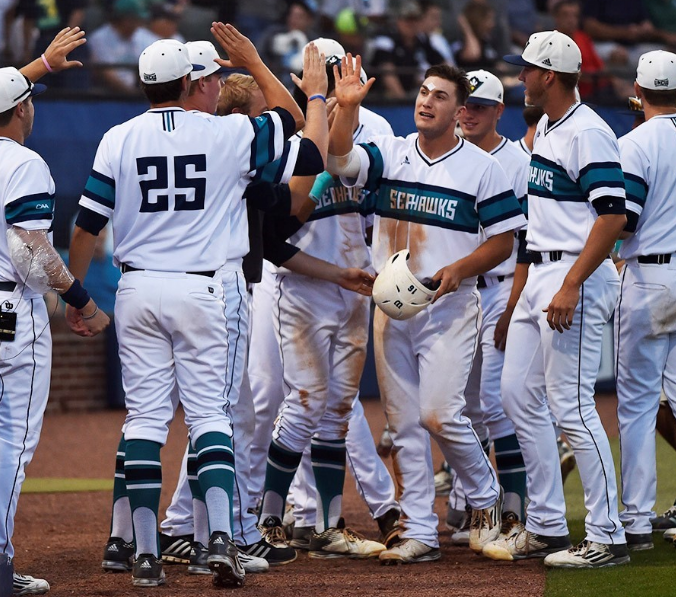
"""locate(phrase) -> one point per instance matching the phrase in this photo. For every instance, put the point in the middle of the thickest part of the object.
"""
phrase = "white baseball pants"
(423, 364)
(645, 350)
(25, 368)
(545, 369)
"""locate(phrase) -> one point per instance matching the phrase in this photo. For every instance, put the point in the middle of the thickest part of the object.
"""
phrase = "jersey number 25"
(181, 181)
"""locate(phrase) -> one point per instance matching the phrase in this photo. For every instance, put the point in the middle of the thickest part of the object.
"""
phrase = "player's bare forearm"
(317, 127)
(243, 53)
(353, 279)
(484, 258)
(301, 204)
(56, 54)
(502, 326)
(82, 245)
(340, 135)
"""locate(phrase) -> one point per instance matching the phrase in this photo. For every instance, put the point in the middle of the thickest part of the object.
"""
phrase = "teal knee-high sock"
(512, 474)
(120, 520)
(279, 473)
(199, 507)
(216, 474)
(143, 474)
(328, 465)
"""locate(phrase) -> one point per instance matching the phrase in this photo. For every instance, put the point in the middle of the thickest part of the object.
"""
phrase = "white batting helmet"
(397, 291)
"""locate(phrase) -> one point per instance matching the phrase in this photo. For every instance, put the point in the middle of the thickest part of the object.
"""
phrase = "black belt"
(481, 281)
(124, 268)
(536, 256)
(658, 259)
(7, 286)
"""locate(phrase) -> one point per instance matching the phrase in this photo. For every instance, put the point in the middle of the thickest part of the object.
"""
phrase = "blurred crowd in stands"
(398, 39)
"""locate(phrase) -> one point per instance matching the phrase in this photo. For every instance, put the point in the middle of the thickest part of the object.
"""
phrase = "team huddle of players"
(493, 286)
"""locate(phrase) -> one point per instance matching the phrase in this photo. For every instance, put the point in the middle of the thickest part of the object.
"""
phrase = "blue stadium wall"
(67, 133)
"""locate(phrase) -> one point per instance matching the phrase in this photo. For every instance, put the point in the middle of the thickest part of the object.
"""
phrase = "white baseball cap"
(15, 88)
(165, 60)
(486, 88)
(203, 53)
(657, 70)
(551, 50)
(333, 52)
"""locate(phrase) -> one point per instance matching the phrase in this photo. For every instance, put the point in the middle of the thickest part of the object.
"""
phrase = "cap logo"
(661, 82)
(149, 77)
(475, 83)
(547, 62)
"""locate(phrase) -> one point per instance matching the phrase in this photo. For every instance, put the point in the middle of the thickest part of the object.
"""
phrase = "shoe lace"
(581, 548)
(352, 535)
(274, 535)
(670, 513)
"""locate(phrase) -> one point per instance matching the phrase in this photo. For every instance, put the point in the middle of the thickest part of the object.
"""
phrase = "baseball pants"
(25, 367)
(645, 351)
(423, 364)
(546, 369)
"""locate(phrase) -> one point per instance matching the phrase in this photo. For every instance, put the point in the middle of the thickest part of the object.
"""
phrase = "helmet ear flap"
(397, 292)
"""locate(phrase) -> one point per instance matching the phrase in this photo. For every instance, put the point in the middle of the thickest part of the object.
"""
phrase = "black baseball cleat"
(147, 571)
(176, 550)
(224, 562)
(118, 555)
(388, 524)
(198, 559)
(639, 541)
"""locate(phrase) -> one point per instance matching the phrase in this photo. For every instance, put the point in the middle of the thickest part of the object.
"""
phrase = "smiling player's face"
(436, 107)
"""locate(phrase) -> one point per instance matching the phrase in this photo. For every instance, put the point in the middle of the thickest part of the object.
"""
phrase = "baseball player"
(478, 123)
(299, 161)
(575, 213)
(436, 191)
(170, 194)
(29, 267)
(322, 363)
(644, 320)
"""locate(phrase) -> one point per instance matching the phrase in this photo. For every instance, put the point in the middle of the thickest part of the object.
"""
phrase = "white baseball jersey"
(569, 170)
(336, 229)
(464, 190)
(516, 164)
(137, 162)
(648, 167)
(521, 144)
(27, 192)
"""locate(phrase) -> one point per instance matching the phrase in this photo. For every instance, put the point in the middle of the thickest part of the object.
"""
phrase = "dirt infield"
(61, 536)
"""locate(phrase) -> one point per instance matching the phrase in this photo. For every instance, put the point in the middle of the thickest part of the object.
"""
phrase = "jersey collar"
(563, 118)
(429, 162)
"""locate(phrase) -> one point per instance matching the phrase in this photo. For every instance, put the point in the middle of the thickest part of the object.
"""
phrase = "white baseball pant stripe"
(423, 364)
(645, 350)
(546, 369)
(371, 476)
(25, 367)
(179, 516)
(483, 388)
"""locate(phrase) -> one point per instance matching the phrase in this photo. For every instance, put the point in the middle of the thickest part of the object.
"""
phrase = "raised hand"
(314, 81)
(241, 52)
(349, 89)
(63, 44)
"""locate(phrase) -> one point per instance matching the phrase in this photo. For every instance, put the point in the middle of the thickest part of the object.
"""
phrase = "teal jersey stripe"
(32, 207)
(600, 175)
(338, 199)
(376, 166)
(100, 190)
(549, 180)
(262, 147)
(498, 208)
(637, 189)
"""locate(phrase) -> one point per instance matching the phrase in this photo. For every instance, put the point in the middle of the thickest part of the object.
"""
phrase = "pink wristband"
(44, 61)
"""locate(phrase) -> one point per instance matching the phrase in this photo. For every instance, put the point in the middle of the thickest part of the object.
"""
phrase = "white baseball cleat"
(670, 534)
(409, 551)
(28, 585)
(485, 525)
(589, 554)
(342, 543)
(517, 543)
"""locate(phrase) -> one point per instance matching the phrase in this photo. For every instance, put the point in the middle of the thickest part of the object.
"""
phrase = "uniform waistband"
(553, 256)
(487, 281)
(7, 286)
(124, 268)
(655, 259)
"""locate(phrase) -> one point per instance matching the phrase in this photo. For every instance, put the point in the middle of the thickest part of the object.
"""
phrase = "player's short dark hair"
(161, 93)
(454, 75)
(532, 115)
(659, 98)
(301, 98)
(6, 116)
(568, 81)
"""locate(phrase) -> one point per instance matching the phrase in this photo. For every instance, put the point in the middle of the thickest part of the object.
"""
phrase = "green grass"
(56, 485)
(650, 573)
